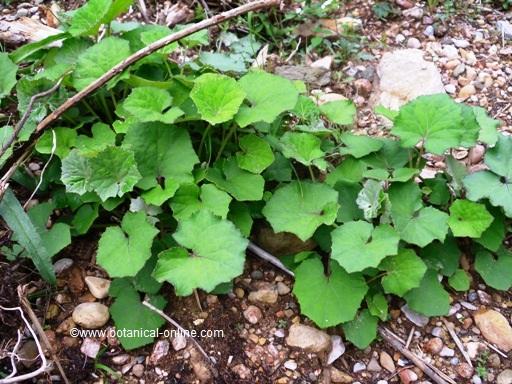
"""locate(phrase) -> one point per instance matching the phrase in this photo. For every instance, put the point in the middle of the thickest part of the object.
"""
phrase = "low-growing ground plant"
(178, 161)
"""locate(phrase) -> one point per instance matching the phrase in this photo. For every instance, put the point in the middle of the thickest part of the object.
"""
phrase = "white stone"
(405, 75)
(90, 347)
(450, 88)
(179, 342)
(415, 317)
(414, 43)
(61, 265)
(450, 52)
(308, 338)
(97, 286)
(91, 315)
(358, 367)
(338, 349)
(447, 352)
(290, 364)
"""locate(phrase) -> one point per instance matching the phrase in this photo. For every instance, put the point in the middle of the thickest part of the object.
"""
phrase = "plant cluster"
(179, 160)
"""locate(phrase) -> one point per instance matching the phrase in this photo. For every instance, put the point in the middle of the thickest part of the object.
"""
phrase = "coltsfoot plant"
(178, 160)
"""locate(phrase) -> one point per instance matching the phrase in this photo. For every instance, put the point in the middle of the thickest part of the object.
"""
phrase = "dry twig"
(261, 253)
(458, 343)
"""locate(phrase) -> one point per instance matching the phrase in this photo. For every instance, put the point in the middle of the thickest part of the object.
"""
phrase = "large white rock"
(91, 315)
(404, 75)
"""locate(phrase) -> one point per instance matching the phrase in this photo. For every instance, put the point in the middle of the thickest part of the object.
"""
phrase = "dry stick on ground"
(26, 147)
(430, 371)
(26, 115)
(184, 332)
(40, 331)
(261, 253)
(44, 364)
(458, 343)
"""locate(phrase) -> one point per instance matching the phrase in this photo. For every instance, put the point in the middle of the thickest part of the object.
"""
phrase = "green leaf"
(390, 156)
(157, 32)
(340, 112)
(303, 147)
(438, 192)
(460, 280)
(357, 245)
(88, 18)
(158, 195)
(27, 50)
(280, 170)
(256, 154)
(7, 75)
(457, 171)
(217, 254)
(468, 219)
(117, 8)
(217, 97)
(349, 171)
(111, 172)
(322, 297)
(495, 270)
(370, 198)
(242, 185)
(359, 145)
(65, 139)
(362, 330)
(123, 251)
(300, 208)
(130, 314)
(223, 62)
(442, 256)
(404, 272)
(240, 215)
(347, 195)
(190, 198)
(98, 59)
(436, 120)
(484, 184)
(378, 306)
(492, 238)
(27, 235)
(147, 104)
(84, 218)
(161, 151)
(416, 224)
(102, 137)
(268, 95)
(429, 299)
(488, 126)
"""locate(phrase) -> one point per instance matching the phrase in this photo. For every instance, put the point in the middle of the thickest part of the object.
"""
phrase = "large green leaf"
(492, 238)
(88, 18)
(123, 251)
(303, 147)
(217, 254)
(468, 218)
(256, 154)
(242, 185)
(488, 126)
(442, 256)
(359, 145)
(341, 112)
(370, 199)
(268, 95)
(430, 298)
(435, 120)
(7, 74)
(404, 272)
(27, 235)
(161, 151)
(495, 269)
(111, 172)
(460, 280)
(217, 97)
(98, 59)
(300, 208)
(416, 224)
(190, 198)
(323, 298)
(146, 104)
(357, 245)
(130, 314)
(362, 330)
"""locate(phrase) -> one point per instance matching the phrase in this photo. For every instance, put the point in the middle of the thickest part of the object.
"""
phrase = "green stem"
(203, 138)
(311, 173)
(89, 108)
(105, 107)
(418, 161)
(225, 141)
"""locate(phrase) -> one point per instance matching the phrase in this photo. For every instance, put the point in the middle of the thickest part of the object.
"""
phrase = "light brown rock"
(495, 328)
(97, 286)
(253, 314)
(387, 362)
(308, 338)
(267, 293)
(91, 315)
(466, 91)
(338, 376)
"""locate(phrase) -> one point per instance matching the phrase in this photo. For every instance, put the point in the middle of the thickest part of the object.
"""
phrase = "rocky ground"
(465, 52)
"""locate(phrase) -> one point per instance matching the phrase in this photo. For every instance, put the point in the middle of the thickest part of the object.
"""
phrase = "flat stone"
(447, 352)
(414, 317)
(495, 328)
(267, 293)
(179, 342)
(282, 288)
(138, 370)
(61, 265)
(338, 376)
(91, 315)
(387, 362)
(97, 286)
(504, 28)
(505, 377)
(374, 366)
(290, 364)
(160, 350)
(316, 76)
(359, 367)
(90, 347)
(413, 43)
(308, 338)
(337, 350)
(405, 75)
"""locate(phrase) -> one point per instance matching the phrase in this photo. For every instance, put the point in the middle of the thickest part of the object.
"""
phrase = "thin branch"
(429, 370)
(458, 343)
(144, 11)
(184, 332)
(37, 325)
(261, 253)
(409, 339)
(26, 115)
(44, 363)
(14, 356)
(496, 349)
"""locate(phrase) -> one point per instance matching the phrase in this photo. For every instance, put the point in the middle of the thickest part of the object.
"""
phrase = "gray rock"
(460, 43)
(90, 347)
(429, 30)
(447, 352)
(450, 88)
(21, 13)
(505, 377)
(414, 12)
(179, 342)
(437, 332)
(450, 52)
(405, 75)
(160, 350)
(359, 367)
(413, 43)
(91, 315)
(476, 380)
(374, 366)
(317, 77)
(338, 349)
(504, 28)
(61, 265)
(290, 364)
(414, 317)
(308, 338)
(282, 288)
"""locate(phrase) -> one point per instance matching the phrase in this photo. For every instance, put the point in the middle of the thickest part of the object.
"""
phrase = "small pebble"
(359, 367)
(290, 364)
(447, 352)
